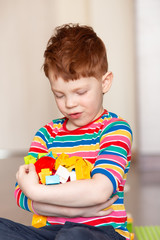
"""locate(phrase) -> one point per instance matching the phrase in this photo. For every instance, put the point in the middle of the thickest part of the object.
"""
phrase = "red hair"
(75, 51)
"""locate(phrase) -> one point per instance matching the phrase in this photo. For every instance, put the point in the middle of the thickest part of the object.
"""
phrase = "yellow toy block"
(29, 159)
(44, 172)
(61, 160)
(39, 221)
(83, 169)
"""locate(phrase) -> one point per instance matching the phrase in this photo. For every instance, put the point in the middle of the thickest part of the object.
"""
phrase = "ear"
(107, 81)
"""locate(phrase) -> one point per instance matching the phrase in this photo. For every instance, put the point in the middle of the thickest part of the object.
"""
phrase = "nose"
(70, 102)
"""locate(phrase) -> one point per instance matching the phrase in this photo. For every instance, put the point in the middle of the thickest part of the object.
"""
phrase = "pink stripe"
(87, 154)
(37, 144)
(114, 158)
(16, 192)
(117, 138)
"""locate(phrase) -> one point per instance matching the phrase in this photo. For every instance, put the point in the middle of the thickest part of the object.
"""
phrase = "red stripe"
(37, 150)
(115, 143)
(95, 222)
(18, 197)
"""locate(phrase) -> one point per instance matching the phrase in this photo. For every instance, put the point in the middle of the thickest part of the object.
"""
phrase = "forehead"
(60, 84)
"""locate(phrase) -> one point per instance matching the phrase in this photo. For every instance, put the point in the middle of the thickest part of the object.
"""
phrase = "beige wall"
(26, 101)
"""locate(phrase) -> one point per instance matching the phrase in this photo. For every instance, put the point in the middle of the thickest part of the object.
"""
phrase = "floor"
(142, 191)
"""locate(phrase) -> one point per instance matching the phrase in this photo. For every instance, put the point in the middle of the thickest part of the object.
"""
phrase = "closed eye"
(81, 92)
(58, 96)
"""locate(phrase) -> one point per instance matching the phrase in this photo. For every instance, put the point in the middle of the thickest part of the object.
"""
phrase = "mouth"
(75, 115)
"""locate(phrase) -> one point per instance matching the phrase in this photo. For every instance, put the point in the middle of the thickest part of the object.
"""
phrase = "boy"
(76, 66)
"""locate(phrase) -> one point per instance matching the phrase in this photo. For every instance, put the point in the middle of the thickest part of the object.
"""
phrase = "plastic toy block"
(129, 223)
(83, 169)
(53, 179)
(38, 221)
(45, 162)
(61, 160)
(63, 174)
(44, 172)
(72, 176)
(41, 155)
(29, 159)
(147, 232)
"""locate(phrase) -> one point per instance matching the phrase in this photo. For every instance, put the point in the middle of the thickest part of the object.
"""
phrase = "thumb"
(31, 167)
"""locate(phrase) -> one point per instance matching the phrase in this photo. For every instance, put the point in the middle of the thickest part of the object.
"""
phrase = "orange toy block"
(38, 221)
(44, 172)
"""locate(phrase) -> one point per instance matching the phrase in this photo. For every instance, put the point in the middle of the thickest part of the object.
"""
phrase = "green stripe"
(87, 136)
(21, 201)
(115, 149)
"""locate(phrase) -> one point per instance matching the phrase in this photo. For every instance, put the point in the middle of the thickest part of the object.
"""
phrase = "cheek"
(60, 105)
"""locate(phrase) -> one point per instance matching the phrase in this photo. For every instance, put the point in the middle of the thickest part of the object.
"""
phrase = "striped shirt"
(106, 143)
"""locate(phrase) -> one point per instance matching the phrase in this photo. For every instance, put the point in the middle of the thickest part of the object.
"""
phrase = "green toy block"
(147, 232)
(41, 155)
(29, 159)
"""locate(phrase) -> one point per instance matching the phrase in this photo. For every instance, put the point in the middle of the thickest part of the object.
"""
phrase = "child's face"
(79, 100)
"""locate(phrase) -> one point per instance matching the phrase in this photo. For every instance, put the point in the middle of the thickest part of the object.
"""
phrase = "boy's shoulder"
(54, 124)
(110, 119)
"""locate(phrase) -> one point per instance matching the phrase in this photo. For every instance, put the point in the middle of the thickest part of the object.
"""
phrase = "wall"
(148, 74)
(26, 101)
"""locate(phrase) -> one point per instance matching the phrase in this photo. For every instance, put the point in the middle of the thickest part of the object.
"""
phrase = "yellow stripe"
(76, 149)
(123, 233)
(38, 139)
(117, 207)
(59, 125)
(16, 187)
(108, 166)
(30, 205)
(118, 132)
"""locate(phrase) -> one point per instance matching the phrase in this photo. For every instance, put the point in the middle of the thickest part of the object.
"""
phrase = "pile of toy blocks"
(53, 169)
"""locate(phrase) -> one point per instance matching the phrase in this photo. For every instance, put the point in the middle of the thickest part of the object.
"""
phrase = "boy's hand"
(98, 210)
(27, 178)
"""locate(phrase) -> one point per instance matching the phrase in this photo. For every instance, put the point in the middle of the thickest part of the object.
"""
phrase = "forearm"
(70, 212)
(57, 211)
(82, 193)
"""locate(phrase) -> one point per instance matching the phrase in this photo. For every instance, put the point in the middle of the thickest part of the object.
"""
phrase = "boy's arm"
(80, 193)
(59, 211)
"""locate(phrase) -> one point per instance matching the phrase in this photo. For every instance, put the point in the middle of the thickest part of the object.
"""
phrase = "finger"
(109, 203)
(31, 167)
(105, 212)
(112, 200)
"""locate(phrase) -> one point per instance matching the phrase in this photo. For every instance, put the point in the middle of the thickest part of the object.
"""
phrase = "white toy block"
(63, 174)
(53, 179)
(72, 176)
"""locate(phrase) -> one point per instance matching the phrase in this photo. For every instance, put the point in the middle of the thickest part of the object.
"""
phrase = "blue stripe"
(41, 135)
(72, 144)
(113, 115)
(119, 127)
(107, 174)
(105, 161)
(26, 203)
